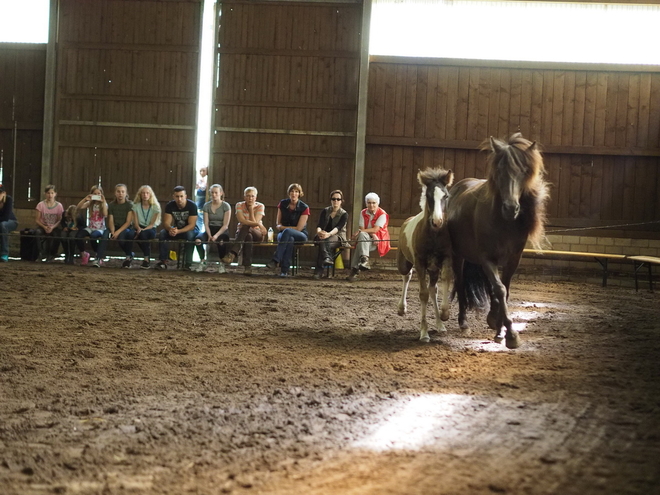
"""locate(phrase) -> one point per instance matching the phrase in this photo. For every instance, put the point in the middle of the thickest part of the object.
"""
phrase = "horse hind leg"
(423, 299)
(405, 269)
(445, 278)
(403, 305)
(433, 293)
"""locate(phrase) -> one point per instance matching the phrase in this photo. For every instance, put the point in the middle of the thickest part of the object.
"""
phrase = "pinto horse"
(489, 222)
(424, 246)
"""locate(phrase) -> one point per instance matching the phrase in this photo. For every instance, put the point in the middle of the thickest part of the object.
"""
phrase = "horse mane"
(524, 156)
(429, 175)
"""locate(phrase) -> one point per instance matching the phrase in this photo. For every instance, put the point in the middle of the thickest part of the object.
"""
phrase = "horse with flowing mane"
(489, 221)
(425, 247)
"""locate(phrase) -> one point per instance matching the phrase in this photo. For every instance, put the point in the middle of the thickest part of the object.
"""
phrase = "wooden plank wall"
(126, 98)
(22, 80)
(600, 131)
(286, 103)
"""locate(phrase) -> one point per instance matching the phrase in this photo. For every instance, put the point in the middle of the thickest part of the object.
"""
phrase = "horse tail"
(477, 286)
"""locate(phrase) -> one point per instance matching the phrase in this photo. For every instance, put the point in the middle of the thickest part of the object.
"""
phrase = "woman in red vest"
(372, 235)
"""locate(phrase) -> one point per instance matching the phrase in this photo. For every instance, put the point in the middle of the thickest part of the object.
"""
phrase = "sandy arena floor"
(128, 381)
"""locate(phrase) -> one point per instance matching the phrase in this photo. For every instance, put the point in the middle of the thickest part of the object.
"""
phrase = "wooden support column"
(360, 140)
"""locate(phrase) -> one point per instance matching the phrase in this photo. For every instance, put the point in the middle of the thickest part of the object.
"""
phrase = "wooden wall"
(126, 96)
(286, 103)
(600, 131)
(22, 79)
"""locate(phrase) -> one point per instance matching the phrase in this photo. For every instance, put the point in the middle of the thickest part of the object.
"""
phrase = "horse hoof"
(402, 311)
(512, 341)
(444, 316)
(498, 339)
(441, 328)
(425, 338)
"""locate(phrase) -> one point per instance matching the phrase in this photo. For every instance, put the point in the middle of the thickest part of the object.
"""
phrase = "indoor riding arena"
(171, 381)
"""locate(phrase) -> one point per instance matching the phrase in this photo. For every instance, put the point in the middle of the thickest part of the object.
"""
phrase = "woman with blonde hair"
(217, 214)
(146, 214)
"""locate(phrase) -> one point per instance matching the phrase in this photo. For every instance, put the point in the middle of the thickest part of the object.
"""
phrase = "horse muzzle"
(510, 210)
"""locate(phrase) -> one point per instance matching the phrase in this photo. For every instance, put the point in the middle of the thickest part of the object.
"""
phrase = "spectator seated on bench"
(330, 232)
(8, 222)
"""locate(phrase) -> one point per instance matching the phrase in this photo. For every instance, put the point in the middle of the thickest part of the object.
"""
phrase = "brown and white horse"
(489, 221)
(424, 246)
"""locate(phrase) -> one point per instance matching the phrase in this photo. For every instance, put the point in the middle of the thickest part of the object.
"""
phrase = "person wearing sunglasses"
(330, 232)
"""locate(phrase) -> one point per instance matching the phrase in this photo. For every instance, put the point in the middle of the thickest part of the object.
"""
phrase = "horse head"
(433, 201)
(514, 166)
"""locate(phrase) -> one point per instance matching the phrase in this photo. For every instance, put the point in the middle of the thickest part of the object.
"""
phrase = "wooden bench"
(601, 258)
(639, 262)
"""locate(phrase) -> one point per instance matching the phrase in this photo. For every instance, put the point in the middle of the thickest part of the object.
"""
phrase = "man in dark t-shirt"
(179, 222)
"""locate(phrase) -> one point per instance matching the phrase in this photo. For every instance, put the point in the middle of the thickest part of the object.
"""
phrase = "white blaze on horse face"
(438, 214)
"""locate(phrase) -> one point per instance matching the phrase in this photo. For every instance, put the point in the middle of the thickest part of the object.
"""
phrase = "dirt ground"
(132, 381)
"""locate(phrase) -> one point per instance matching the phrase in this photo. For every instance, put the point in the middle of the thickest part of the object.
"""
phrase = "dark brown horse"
(489, 223)
(424, 245)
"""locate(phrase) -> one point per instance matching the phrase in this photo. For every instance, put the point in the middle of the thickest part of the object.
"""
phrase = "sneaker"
(353, 276)
(284, 274)
(144, 265)
(201, 266)
(248, 271)
(4, 258)
(50, 259)
(161, 265)
(328, 262)
(317, 275)
(229, 258)
(97, 264)
(126, 263)
(364, 263)
(271, 264)
(221, 268)
(84, 258)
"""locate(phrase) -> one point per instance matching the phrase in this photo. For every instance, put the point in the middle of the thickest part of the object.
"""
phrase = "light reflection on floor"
(416, 423)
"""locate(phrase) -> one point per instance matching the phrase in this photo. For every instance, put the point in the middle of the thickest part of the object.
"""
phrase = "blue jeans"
(124, 239)
(94, 237)
(5, 228)
(189, 237)
(284, 251)
(146, 236)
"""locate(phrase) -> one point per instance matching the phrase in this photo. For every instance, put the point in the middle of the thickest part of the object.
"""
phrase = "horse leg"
(494, 319)
(445, 277)
(512, 336)
(433, 293)
(423, 299)
(403, 305)
(459, 289)
(405, 269)
(500, 294)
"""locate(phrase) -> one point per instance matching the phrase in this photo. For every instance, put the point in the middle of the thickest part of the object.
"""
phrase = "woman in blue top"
(292, 215)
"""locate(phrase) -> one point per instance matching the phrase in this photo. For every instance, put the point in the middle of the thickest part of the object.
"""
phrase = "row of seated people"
(137, 221)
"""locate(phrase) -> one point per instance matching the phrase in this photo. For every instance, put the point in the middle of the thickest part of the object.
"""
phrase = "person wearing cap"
(8, 222)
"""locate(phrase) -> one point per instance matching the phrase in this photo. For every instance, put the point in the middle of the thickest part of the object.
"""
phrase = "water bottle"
(270, 234)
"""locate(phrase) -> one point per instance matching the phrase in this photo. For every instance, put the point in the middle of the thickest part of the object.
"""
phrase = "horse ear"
(449, 178)
(495, 145)
(532, 147)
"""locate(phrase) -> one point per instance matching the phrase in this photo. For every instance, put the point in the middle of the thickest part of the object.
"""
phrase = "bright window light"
(205, 103)
(417, 422)
(24, 21)
(525, 31)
